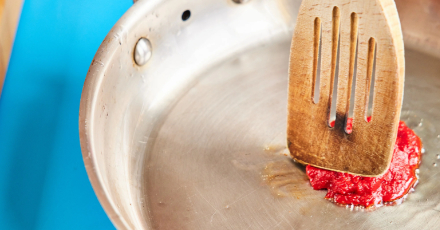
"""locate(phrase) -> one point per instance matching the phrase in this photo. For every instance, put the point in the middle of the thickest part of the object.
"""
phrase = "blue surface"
(43, 182)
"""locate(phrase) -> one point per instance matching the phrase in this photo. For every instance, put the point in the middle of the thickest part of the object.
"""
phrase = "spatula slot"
(316, 60)
(336, 22)
(351, 66)
(371, 67)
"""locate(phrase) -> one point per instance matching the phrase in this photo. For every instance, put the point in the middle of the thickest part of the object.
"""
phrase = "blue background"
(43, 182)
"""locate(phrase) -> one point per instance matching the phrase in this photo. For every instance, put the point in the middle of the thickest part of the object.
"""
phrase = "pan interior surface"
(218, 161)
(196, 137)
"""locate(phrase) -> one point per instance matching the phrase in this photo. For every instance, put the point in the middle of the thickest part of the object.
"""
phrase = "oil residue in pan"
(286, 179)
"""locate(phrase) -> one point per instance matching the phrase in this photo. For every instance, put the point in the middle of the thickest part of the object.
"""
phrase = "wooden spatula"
(370, 28)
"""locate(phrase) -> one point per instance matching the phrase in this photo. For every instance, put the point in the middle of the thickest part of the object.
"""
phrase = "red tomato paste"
(348, 189)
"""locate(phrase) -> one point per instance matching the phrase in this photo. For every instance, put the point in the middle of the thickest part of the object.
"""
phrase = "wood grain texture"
(367, 26)
(9, 16)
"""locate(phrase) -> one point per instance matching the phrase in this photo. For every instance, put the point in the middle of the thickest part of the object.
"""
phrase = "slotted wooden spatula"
(370, 28)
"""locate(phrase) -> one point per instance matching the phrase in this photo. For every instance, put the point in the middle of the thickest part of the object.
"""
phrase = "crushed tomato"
(348, 189)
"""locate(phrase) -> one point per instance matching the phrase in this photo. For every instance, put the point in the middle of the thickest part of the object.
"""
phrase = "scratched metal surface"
(196, 138)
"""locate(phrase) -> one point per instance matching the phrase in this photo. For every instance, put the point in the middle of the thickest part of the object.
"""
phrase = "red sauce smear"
(348, 189)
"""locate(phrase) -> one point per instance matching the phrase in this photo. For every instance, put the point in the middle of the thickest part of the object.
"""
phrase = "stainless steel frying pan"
(183, 120)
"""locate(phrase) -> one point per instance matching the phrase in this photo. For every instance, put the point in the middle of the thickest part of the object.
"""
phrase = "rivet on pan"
(142, 51)
(240, 1)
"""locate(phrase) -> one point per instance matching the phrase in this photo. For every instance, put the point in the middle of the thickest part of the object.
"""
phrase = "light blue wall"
(43, 183)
